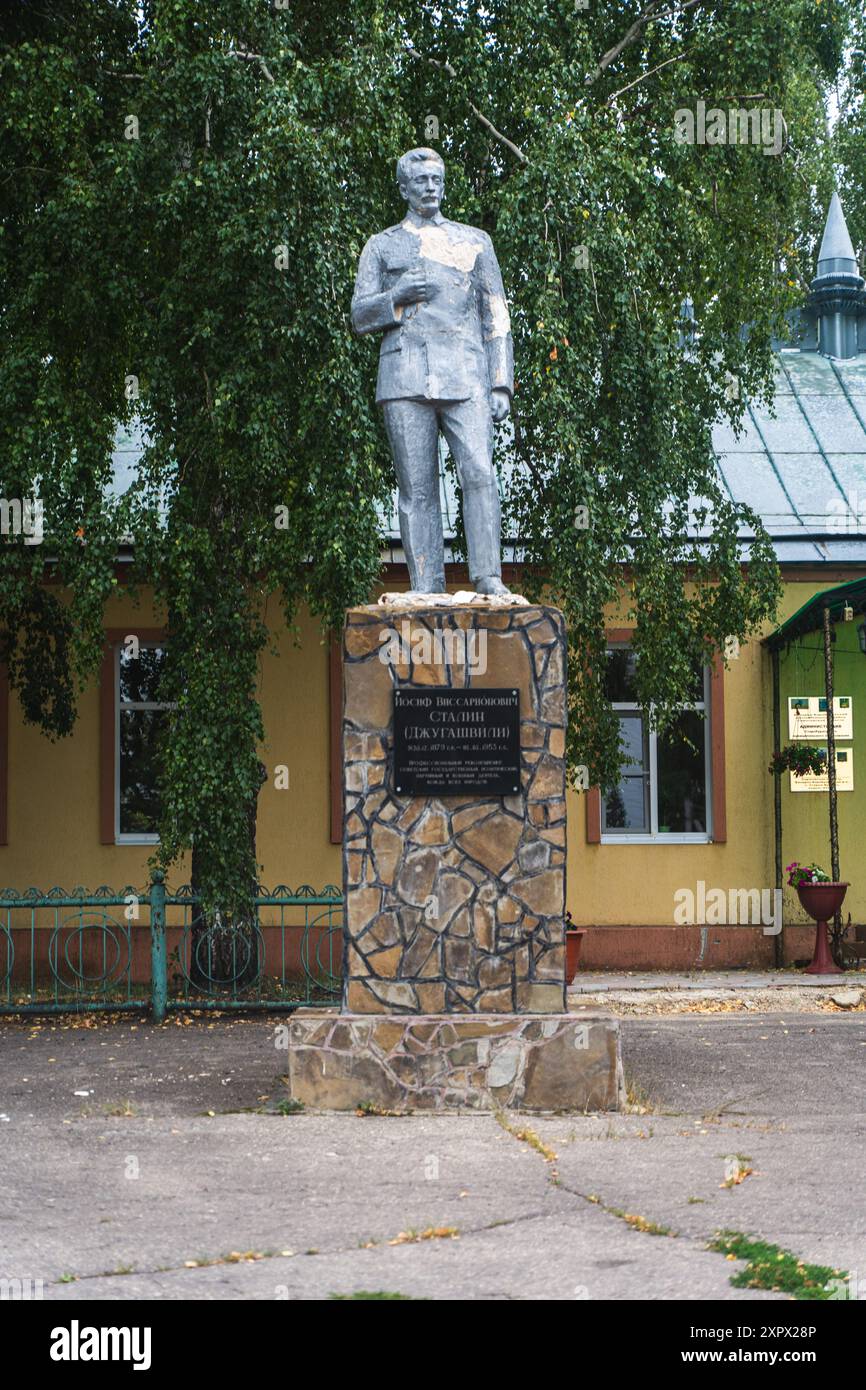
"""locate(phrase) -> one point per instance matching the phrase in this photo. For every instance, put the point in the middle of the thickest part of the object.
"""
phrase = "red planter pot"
(573, 938)
(822, 901)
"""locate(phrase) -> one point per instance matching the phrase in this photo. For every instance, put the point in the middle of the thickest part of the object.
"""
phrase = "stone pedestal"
(454, 904)
(454, 966)
(495, 1061)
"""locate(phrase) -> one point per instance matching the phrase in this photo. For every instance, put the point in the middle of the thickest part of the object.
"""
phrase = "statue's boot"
(492, 585)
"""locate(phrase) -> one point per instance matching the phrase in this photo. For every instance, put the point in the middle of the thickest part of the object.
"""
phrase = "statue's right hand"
(411, 288)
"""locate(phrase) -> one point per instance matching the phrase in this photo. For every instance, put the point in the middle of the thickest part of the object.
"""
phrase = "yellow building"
(71, 820)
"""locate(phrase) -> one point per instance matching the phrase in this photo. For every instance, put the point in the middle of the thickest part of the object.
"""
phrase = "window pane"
(682, 797)
(632, 740)
(139, 803)
(619, 677)
(697, 683)
(140, 676)
(627, 806)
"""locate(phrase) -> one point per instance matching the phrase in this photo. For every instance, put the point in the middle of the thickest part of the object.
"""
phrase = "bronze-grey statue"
(434, 290)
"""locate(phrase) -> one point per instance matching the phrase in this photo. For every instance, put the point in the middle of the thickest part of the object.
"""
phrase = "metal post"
(831, 772)
(158, 972)
(778, 940)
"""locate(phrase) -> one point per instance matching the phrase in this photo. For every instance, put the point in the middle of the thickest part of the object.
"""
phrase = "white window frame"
(128, 837)
(654, 836)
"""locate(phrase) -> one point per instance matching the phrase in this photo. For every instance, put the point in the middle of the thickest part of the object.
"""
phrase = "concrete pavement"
(605, 981)
(709, 991)
(175, 1176)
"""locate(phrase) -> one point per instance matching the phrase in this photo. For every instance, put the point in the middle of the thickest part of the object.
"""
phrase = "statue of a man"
(434, 290)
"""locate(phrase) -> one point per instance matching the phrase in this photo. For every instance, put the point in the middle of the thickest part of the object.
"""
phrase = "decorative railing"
(154, 950)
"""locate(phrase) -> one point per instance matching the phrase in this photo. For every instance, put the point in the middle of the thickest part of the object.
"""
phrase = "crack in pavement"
(261, 1255)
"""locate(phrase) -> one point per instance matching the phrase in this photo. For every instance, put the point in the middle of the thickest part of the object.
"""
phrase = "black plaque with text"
(457, 742)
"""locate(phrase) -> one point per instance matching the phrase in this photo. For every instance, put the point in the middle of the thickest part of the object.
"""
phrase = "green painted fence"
(152, 951)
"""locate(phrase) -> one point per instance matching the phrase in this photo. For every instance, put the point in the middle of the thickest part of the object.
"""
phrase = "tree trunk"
(224, 954)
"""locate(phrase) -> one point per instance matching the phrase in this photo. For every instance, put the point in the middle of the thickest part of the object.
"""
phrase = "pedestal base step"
(532, 1062)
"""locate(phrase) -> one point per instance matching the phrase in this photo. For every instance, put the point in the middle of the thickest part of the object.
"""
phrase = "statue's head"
(421, 179)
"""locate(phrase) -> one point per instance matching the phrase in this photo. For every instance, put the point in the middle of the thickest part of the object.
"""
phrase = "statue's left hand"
(500, 403)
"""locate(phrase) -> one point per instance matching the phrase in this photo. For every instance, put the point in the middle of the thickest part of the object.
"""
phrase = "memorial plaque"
(457, 742)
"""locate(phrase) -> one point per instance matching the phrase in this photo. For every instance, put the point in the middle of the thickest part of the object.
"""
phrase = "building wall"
(805, 815)
(54, 788)
(625, 893)
(628, 885)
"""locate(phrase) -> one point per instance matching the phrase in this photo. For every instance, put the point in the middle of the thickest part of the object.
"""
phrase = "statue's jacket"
(457, 344)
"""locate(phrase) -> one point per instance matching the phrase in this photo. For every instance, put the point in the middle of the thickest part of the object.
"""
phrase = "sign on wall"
(807, 717)
(820, 781)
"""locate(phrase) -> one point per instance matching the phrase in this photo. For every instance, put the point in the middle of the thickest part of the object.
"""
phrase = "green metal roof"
(810, 618)
(801, 463)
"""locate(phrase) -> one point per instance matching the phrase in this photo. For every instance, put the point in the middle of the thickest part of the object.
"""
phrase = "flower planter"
(822, 901)
(573, 937)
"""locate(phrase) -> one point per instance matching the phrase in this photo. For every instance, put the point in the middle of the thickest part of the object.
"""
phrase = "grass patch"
(640, 1223)
(637, 1223)
(770, 1267)
(528, 1136)
(288, 1107)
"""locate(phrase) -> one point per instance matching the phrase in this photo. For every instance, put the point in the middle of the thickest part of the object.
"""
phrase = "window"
(140, 718)
(664, 790)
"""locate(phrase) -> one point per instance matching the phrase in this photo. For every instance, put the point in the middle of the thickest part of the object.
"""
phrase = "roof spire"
(837, 252)
(838, 295)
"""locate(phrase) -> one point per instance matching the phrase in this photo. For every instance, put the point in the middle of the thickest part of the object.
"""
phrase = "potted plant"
(821, 898)
(573, 937)
(799, 758)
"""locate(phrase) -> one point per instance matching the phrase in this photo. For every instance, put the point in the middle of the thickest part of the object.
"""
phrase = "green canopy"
(810, 618)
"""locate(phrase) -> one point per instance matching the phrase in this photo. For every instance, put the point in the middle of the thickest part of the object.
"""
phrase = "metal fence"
(153, 951)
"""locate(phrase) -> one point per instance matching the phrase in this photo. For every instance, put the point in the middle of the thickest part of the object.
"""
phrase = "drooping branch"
(479, 115)
(650, 15)
(676, 59)
(628, 38)
(252, 58)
